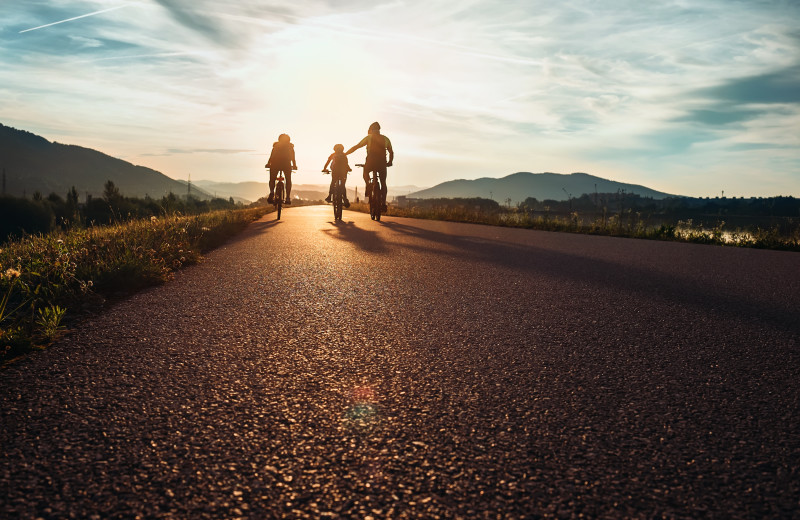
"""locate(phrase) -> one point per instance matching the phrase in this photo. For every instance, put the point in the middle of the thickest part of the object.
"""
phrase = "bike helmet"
(338, 148)
(374, 128)
(283, 138)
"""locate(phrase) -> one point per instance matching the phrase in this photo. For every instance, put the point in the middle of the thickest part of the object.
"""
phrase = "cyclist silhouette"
(281, 160)
(377, 146)
(339, 169)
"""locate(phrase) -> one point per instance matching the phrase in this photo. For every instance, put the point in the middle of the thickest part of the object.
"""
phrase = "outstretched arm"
(327, 163)
(363, 142)
(269, 161)
(391, 152)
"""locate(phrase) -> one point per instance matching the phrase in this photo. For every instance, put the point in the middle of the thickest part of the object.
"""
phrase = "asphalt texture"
(421, 369)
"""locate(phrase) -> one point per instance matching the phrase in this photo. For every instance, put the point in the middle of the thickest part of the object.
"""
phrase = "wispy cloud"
(86, 42)
(223, 151)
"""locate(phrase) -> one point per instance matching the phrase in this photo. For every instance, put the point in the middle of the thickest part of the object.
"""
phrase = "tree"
(72, 212)
(111, 193)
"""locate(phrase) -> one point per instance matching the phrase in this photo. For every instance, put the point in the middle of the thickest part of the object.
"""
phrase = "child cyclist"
(339, 169)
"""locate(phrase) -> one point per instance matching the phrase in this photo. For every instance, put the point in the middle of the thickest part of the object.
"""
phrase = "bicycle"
(278, 196)
(277, 200)
(337, 197)
(375, 195)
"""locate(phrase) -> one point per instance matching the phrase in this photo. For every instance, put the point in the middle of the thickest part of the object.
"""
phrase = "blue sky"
(686, 97)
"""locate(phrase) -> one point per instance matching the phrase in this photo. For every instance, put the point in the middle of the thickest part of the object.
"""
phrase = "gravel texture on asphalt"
(421, 369)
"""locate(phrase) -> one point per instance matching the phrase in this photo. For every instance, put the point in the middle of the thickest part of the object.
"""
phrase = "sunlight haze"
(684, 97)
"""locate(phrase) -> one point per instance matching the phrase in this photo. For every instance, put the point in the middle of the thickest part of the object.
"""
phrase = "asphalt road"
(421, 369)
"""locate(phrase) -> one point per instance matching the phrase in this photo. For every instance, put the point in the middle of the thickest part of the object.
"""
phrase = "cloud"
(781, 86)
(86, 42)
(720, 116)
(195, 15)
(235, 23)
(208, 150)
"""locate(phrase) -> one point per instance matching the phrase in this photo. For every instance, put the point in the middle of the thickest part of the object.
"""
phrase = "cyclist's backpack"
(376, 145)
(282, 154)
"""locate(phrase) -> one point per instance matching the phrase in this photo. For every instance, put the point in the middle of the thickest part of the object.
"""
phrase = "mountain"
(252, 191)
(32, 163)
(542, 186)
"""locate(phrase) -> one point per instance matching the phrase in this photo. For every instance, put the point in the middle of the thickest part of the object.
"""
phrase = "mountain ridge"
(32, 163)
(543, 186)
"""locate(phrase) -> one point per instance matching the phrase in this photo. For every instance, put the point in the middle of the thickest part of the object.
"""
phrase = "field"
(699, 224)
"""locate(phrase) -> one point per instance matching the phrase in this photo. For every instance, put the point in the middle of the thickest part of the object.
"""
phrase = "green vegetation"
(771, 223)
(21, 216)
(43, 276)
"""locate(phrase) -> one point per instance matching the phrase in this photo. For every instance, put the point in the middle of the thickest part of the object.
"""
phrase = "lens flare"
(363, 409)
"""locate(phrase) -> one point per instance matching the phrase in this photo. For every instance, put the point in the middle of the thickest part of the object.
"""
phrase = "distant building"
(404, 202)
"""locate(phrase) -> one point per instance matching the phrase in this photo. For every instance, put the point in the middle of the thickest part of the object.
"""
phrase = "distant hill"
(521, 185)
(32, 163)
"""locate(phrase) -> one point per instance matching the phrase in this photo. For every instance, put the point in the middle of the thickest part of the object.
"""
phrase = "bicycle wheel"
(373, 202)
(279, 199)
(337, 203)
(378, 202)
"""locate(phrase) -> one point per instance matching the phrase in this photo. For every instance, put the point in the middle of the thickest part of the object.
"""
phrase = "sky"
(686, 97)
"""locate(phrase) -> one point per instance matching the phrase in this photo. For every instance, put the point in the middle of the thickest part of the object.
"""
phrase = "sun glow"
(312, 86)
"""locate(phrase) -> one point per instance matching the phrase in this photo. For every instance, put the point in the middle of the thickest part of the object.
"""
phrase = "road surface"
(421, 369)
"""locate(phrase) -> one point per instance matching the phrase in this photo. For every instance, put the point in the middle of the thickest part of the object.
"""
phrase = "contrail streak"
(75, 18)
(138, 56)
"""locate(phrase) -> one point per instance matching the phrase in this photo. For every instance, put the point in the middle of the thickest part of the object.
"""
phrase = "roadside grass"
(45, 279)
(629, 224)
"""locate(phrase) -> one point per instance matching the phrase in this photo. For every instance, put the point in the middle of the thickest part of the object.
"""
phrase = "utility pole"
(569, 197)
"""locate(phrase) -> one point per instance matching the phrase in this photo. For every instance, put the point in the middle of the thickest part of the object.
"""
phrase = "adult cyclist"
(377, 146)
(281, 160)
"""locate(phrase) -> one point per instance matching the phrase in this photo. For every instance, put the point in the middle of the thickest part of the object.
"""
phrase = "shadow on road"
(719, 297)
(261, 225)
(254, 229)
(364, 239)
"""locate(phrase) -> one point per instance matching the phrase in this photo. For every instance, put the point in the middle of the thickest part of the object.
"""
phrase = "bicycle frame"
(375, 196)
(337, 197)
(278, 197)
